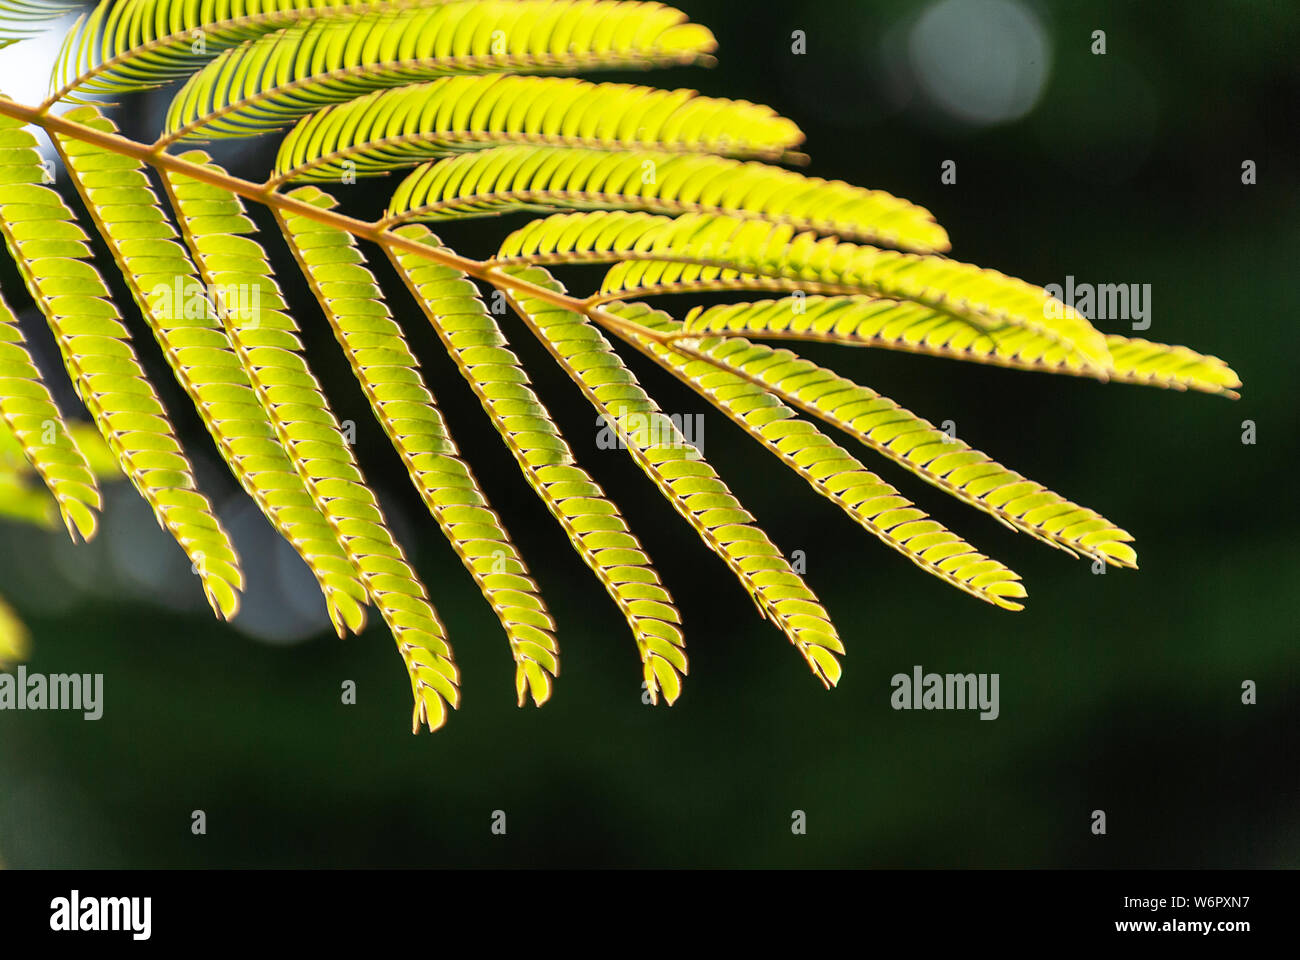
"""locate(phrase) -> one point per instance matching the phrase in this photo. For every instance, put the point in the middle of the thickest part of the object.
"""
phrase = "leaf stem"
(266, 195)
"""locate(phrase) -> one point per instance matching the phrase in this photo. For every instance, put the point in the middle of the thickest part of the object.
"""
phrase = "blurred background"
(1119, 692)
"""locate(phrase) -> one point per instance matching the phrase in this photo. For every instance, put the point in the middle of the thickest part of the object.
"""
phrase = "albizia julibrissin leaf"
(896, 325)
(23, 497)
(16, 14)
(28, 410)
(54, 259)
(650, 249)
(271, 81)
(511, 178)
(684, 477)
(918, 446)
(830, 469)
(1161, 365)
(390, 376)
(180, 311)
(126, 45)
(265, 337)
(592, 522)
(391, 129)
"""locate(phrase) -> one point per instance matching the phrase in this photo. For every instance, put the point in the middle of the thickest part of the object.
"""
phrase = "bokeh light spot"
(980, 61)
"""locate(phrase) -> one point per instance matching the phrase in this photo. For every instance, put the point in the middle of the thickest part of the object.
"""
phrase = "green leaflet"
(592, 522)
(265, 337)
(180, 311)
(29, 413)
(390, 376)
(22, 498)
(684, 478)
(831, 470)
(16, 14)
(391, 129)
(17, 469)
(1161, 365)
(54, 259)
(660, 279)
(128, 45)
(895, 325)
(265, 84)
(22, 495)
(543, 178)
(920, 447)
(654, 249)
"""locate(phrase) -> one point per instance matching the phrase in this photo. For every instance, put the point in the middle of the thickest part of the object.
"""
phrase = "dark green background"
(1118, 692)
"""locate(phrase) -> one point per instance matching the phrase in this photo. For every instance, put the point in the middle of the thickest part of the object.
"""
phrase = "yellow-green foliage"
(593, 523)
(49, 467)
(390, 376)
(53, 256)
(675, 192)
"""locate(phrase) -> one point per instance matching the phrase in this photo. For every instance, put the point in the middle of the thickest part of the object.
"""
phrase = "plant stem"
(267, 196)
